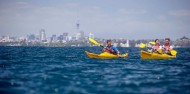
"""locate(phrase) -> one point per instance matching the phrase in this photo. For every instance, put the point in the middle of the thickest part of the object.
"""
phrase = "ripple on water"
(66, 70)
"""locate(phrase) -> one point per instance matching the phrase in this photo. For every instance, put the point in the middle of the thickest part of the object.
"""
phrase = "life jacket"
(109, 49)
(156, 47)
(166, 47)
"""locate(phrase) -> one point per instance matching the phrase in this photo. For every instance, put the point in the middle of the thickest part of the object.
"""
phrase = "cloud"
(161, 17)
(26, 18)
(22, 5)
(72, 5)
(180, 13)
(132, 12)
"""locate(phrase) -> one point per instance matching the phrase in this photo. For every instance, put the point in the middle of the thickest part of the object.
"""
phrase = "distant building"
(183, 42)
(73, 38)
(184, 39)
(82, 36)
(54, 39)
(128, 43)
(31, 38)
(60, 38)
(37, 37)
(125, 44)
(77, 36)
(43, 35)
(22, 39)
(9, 39)
(137, 45)
(70, 38)
(91, 35)
(65, 36)
(5, 39)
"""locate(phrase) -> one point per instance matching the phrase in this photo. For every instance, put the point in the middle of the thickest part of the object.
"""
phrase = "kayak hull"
(150, 55)
(105, 55)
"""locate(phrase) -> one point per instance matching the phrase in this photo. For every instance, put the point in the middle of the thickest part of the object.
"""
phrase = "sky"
(129, 19)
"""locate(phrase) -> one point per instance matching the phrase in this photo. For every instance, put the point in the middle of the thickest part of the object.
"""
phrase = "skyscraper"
(65, 36)
(77, 36)
(82, 36)
(60, 38)
(31, 38)
(54, 38)
(43, 35)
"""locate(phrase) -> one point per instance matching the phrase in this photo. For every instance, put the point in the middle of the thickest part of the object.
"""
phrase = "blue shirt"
(113, 47)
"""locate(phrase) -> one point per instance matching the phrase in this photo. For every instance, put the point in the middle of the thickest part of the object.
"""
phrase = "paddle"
(153, 43)
(95, 42)
(173, 52)
(142, 45)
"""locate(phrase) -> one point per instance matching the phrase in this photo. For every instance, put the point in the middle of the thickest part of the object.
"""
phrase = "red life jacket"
(109, 49)
(156, 47)
(167, 47)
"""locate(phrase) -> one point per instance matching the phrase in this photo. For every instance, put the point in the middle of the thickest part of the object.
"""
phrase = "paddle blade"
(153, 43)
(142, 45)
(93, 41)
(173, 52)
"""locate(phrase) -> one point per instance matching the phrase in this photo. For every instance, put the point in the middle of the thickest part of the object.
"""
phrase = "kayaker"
(167, 48)
(111, 49)
(156, 46)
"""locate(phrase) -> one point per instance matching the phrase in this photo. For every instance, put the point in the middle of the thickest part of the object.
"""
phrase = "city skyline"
(137, 19)
(79, 40)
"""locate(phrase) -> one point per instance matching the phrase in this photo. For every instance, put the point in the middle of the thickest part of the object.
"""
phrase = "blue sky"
(130, 19)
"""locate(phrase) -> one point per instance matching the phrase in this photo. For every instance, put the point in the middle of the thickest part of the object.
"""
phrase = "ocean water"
(68, 70)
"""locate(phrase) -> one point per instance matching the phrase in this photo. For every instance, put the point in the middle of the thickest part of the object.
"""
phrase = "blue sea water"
(68, 70)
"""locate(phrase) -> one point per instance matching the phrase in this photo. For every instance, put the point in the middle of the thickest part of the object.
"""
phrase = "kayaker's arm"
(118, 53)
(102, 46)
(104, 49)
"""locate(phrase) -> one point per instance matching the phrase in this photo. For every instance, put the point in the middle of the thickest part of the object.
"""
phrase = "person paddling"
(167, 48)
(156, 46)
(111, 49)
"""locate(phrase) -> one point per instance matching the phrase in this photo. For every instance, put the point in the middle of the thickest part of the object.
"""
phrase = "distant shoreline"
(77, 46)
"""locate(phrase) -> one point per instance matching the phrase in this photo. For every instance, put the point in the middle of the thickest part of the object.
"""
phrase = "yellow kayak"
(105, 55)
(150, 55)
